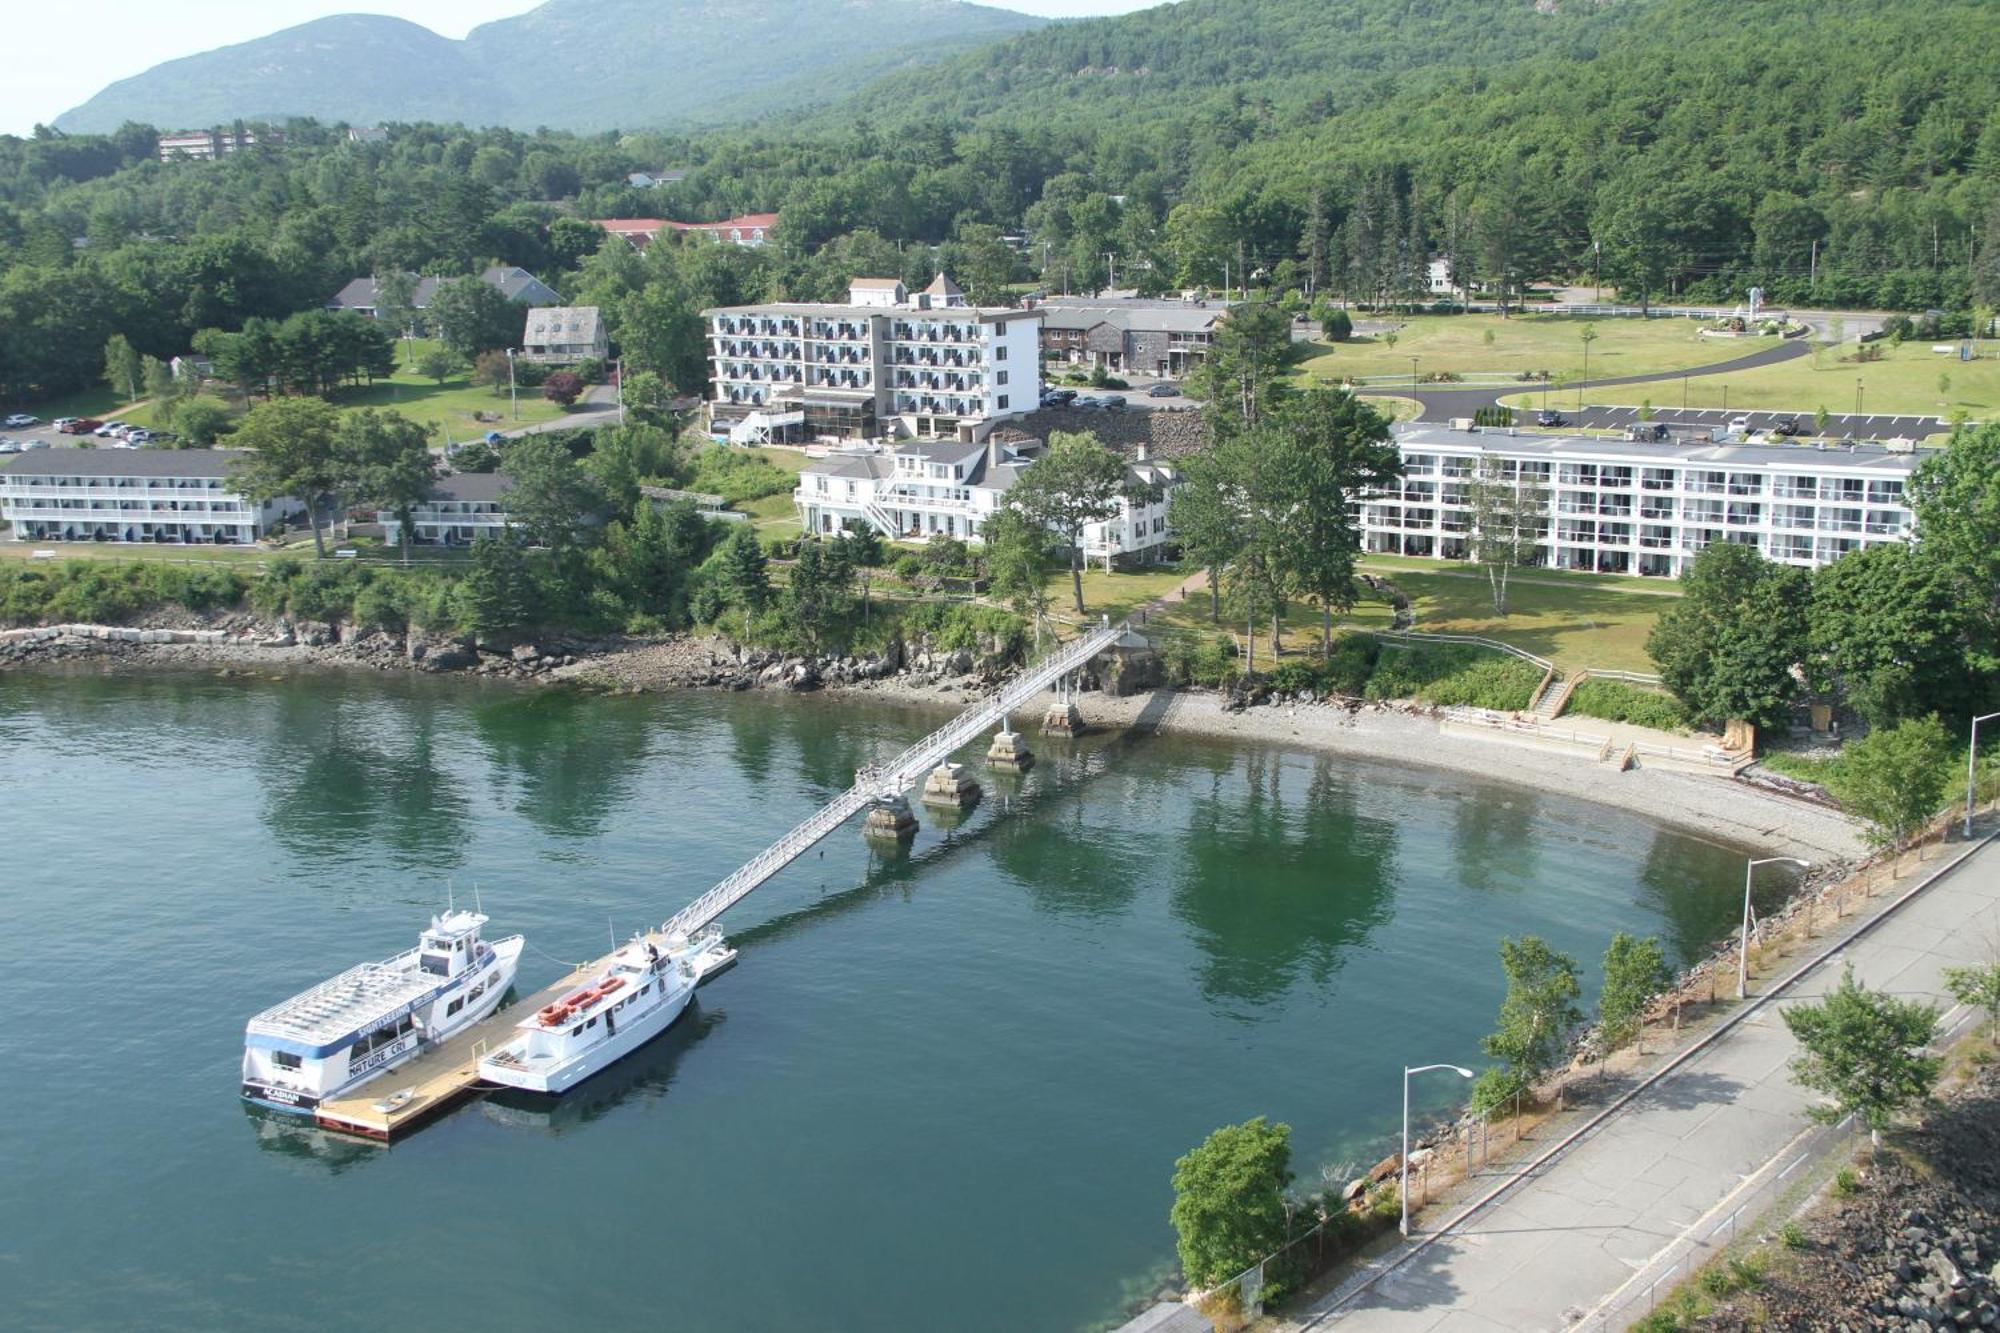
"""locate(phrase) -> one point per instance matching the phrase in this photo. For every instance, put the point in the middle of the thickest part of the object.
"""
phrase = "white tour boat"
(642, 989)
(374, 1017)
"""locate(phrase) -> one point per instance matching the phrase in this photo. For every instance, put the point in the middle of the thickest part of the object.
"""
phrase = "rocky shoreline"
(920, 675)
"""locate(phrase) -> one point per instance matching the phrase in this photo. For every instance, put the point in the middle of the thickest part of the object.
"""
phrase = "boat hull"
(557, 1079)
(499, 979)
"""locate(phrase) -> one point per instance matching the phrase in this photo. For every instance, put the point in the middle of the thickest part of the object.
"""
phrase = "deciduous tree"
(386, 461)
(1894, 779)
(1635, 970)
(1731, 646)
(1229, 1199)
(1864, 1049)
(1075, 483)
(291, 453)
(1510, 520)
(1536, 1018)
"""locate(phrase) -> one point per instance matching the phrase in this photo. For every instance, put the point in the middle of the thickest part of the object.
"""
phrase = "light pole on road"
(1972, 767)
(513, 398)
(1743, 957)
(1407, 1071)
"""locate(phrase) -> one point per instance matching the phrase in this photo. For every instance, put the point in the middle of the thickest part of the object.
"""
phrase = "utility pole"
(1111, 264)
(512, 396)
(1812, 280)
(1597, 272)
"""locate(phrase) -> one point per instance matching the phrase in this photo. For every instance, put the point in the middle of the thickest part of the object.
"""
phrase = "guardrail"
(1629, 677)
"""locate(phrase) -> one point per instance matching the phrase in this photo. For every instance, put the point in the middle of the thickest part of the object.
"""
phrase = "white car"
(63, 423)
(34, 444)
(1739, 424)
(23, 419)
(9, 447)
(111, 430)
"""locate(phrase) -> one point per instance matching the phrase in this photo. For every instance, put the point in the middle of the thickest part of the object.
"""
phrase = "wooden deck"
(437, 1078)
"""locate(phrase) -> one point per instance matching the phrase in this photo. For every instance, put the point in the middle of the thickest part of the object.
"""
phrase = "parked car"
(1651, 431)
(23, 419)
(1786, 426)
(9, 447)
(1112, 403)
(1740, 425)
(1550, 417)
(111, 430)
(79, 425)
(138, 437)
(1164, 390)
(33, 444)
(1062, 397)
(63, 423)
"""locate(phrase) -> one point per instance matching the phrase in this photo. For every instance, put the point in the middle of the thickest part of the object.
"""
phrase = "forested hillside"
(573, 64)
(1842, 152)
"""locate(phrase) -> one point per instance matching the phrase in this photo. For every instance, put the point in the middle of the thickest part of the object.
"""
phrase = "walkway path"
(1550, 1250)
(1442, 404)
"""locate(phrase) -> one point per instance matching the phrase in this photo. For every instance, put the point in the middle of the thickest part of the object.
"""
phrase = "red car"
(81, 426)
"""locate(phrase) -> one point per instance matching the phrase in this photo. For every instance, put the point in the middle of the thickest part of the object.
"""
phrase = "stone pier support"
(890, 820)
(1064, 718)
(950, 787)
(1009, 753)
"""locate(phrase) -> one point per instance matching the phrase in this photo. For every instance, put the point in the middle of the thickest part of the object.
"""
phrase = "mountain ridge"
(584, 65)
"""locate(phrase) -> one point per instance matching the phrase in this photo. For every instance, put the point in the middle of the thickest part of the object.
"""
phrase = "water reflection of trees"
(570, 759)
(1276, 884)
(1697, 888)
(340, 773)
(1492, 836)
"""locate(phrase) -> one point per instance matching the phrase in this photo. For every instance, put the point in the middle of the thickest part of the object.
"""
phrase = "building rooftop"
(202, 463)
(563, 324)
(838, 309)
(1872, 458)
(1169, 317)
(472, 486)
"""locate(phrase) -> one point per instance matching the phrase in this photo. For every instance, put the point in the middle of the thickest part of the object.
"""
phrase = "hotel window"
(1000, 352)
(1003, 402)
(1002, 378)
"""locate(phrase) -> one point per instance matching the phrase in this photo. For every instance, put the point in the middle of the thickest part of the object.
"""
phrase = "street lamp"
(1407, 1071)
(513, 398)
(1857, 395)
(1413, 374)
(1743, 958)
(1972, 767)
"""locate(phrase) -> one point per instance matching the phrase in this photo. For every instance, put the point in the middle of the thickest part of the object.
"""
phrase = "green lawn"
(1525, 344)
(456, 407)
(1578, 621)
(1905, 381)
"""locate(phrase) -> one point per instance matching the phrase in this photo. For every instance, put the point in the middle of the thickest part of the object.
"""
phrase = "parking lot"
(1845, 426)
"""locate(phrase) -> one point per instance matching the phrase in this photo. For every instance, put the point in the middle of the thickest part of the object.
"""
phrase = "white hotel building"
(888, 364)
(1624, 507)
(461, 508)
(182, 496)
(923, 489)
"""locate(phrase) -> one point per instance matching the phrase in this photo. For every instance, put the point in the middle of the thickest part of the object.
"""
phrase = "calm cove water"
(940, 1090)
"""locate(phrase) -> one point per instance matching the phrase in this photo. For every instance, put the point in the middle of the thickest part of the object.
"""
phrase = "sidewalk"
(1551, 1250)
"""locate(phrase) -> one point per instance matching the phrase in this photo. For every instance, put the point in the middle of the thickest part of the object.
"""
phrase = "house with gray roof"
(563, 335)
(945, 487)
(462, 507)
(176, 496)
(363, 297)
(1129, 335)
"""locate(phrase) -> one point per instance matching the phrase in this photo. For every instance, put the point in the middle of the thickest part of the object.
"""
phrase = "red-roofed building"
(750, 230)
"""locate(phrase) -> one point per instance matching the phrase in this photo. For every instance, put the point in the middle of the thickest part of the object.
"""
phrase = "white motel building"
(927, 488)
(181, 496)
(889, 364)
(461, 508)
(1626, 507)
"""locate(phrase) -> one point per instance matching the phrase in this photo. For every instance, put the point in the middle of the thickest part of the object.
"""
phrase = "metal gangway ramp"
(883, 781)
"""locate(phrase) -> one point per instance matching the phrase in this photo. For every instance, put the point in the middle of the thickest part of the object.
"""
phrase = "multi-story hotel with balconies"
(132, 495)
(1625, 507)
(888, 364)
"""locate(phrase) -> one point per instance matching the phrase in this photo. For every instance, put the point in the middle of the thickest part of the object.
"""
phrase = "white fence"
(1418, 636)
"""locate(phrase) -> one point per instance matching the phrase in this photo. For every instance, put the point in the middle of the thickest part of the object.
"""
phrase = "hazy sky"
(61, 51)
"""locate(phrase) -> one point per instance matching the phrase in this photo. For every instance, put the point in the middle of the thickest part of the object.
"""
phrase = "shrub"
(1615, 701)
(1452, 675)
(1792, 1236)
(738, 475)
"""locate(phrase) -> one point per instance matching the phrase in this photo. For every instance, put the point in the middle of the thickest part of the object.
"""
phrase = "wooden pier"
(438, 1078)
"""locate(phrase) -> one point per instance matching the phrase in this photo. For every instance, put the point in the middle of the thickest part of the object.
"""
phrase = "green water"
(941, 1090)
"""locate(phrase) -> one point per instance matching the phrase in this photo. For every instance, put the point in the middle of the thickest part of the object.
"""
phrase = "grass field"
(1905, 381)
(1575, 622)
(1525, 344)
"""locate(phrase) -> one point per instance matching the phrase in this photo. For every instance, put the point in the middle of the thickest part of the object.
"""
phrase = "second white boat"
(640, 991)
